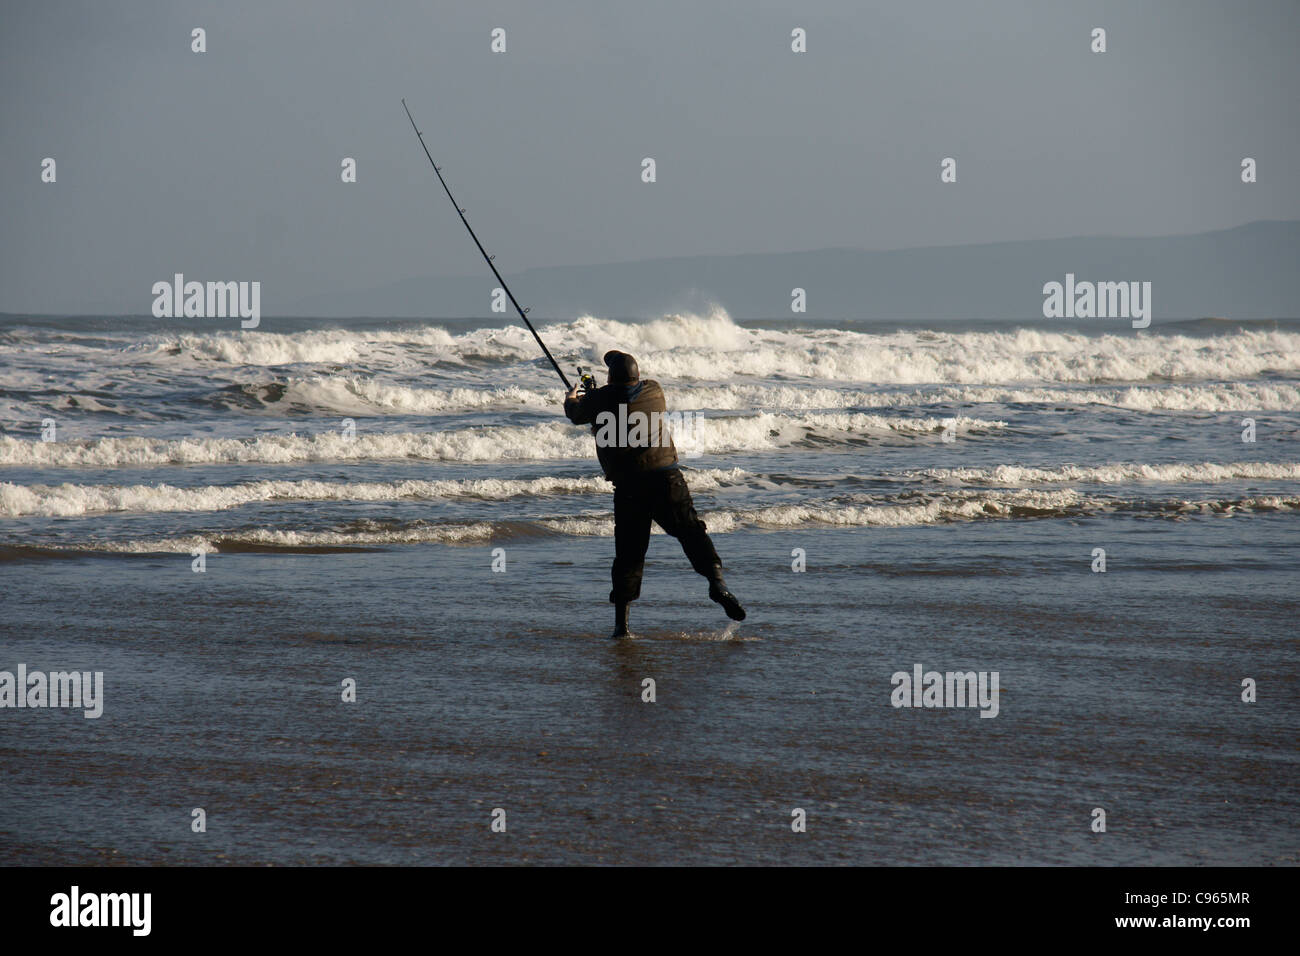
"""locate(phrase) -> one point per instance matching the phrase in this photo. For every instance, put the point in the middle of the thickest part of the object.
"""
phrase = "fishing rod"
(523, 313)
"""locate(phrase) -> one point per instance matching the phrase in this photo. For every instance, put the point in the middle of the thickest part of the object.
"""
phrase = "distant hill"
(1247, 272)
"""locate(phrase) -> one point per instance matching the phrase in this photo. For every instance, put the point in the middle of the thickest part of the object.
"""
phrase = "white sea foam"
(547, 440)
(467, 533)
(712, 348)
(322, 346)
(1212, 397)
(959, 506)
(67, 500)
(1119, 473)
(359, 395)
(956, 506)
(877, 512)
(70, 500)
(366, 396)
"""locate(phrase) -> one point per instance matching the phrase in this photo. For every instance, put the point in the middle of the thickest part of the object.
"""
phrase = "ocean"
(240, 529)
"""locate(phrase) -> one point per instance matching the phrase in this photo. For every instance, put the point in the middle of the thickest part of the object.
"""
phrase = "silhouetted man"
(636, 451)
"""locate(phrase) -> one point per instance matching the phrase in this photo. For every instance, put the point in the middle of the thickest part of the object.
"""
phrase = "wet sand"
(478, 691)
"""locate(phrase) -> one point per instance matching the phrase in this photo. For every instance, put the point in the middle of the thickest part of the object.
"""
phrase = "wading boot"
(719, 592)
(620, 621)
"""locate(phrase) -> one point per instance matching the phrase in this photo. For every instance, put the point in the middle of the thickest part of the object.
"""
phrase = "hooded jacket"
(632, 437)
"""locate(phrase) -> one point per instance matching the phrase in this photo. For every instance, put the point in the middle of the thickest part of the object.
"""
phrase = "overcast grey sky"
(225, 164)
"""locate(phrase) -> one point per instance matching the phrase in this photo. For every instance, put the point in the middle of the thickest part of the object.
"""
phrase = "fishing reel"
(586, 381)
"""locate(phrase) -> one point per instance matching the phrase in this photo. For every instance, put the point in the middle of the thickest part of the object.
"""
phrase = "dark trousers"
(663, 496)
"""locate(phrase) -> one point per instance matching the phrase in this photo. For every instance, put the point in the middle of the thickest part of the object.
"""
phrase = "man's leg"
(631, 538)
(674, 511)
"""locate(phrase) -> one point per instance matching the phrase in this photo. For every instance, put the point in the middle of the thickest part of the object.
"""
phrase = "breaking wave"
(1122, 473)
(712, 348)
(357, 395)
(68, 500)
(546, 440)
(859, 512)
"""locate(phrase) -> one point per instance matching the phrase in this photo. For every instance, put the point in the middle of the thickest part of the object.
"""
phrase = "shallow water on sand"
(479, 690)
